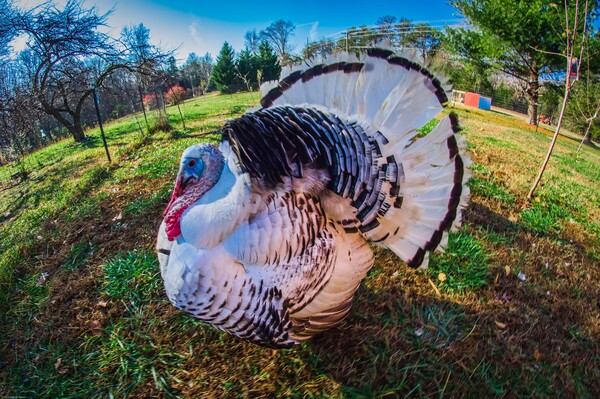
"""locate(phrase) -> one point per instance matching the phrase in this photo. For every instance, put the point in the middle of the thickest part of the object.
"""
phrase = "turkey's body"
(271, 243)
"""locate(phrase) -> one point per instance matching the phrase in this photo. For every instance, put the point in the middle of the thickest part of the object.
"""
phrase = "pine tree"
(268, 64)
(246, 68)
(223, 74)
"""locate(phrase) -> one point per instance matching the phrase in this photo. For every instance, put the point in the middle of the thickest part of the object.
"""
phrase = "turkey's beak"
(185, 182)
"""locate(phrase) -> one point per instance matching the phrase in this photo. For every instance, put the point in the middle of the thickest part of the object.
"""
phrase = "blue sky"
(202, 26)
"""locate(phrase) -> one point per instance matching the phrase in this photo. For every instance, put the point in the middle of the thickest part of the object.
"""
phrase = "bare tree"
(575, 37)
(66, 54)
(145, 57)
(197, 70)
(20, 129)
(278, 35)
(6, 26)
(61, 44)
(252, 41)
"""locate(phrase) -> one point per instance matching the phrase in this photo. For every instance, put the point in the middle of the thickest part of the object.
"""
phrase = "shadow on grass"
(31, 197)
(89, 142)
(429, 345)
(511, 337)
(480, 215)
(205, 134)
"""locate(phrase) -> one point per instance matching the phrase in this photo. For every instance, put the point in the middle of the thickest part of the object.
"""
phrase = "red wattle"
(175, 195)
(173, 213)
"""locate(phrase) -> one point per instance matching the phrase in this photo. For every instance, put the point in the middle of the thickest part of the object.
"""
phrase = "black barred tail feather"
(357, 118)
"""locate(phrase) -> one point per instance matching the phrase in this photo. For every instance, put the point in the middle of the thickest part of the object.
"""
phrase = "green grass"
(79, 254)
(514, 315)
(464, 264)
(133, 275)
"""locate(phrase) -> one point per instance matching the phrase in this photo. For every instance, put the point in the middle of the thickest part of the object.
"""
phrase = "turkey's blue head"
(200, 169)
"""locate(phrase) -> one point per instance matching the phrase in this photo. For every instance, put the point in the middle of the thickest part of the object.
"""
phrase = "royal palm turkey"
(267, 235)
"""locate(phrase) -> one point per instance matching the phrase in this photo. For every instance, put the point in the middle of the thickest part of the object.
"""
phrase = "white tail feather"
(387, 96)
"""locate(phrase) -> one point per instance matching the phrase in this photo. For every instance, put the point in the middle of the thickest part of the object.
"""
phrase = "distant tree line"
(45, 88)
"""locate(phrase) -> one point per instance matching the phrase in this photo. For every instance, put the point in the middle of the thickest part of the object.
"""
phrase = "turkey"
(267, 235)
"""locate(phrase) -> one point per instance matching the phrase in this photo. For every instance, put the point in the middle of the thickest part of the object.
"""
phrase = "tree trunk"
(143, 107)
(533, 94)
(555, 137)
(74, 127)
(77, 132)
(181, 115)
(587, 138)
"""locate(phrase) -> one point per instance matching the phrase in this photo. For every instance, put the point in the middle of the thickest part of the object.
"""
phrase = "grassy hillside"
(510, 309)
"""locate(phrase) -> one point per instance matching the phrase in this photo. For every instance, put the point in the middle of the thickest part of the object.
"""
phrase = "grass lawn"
(510, 309)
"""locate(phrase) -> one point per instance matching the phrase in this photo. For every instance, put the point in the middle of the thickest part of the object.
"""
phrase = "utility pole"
(346, 41)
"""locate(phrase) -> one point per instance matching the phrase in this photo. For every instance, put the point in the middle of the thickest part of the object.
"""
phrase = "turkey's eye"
(192, 163)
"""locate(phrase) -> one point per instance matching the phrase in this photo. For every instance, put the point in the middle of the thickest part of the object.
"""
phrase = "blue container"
(485, 103)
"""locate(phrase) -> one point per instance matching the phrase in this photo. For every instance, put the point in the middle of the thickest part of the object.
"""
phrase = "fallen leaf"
(507, 270)
(537, 355)
(507, 298)
(102, 304)
(522, 276)
(57, 364)
(118, 217)
(500, 325)
(42, 279)
(96, 328)
(442, 277)
(419, 332)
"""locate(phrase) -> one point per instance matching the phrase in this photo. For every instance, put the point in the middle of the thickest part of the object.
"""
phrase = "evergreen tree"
(172, 72)
(268, 64)
(223, 74)
(247, 68)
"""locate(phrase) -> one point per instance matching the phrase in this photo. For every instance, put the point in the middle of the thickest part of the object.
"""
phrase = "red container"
(472, 99)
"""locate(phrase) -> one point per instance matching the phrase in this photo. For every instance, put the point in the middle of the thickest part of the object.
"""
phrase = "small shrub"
(427, 128)
(151, 101)
(161, 124)
(175, 95)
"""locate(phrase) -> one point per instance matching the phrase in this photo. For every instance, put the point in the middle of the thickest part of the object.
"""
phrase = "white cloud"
(193, 28)
(313, 34)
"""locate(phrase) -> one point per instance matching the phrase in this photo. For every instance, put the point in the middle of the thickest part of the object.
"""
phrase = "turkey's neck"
(214, 216)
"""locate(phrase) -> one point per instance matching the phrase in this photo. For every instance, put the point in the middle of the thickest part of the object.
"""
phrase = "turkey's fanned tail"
(358, 117)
